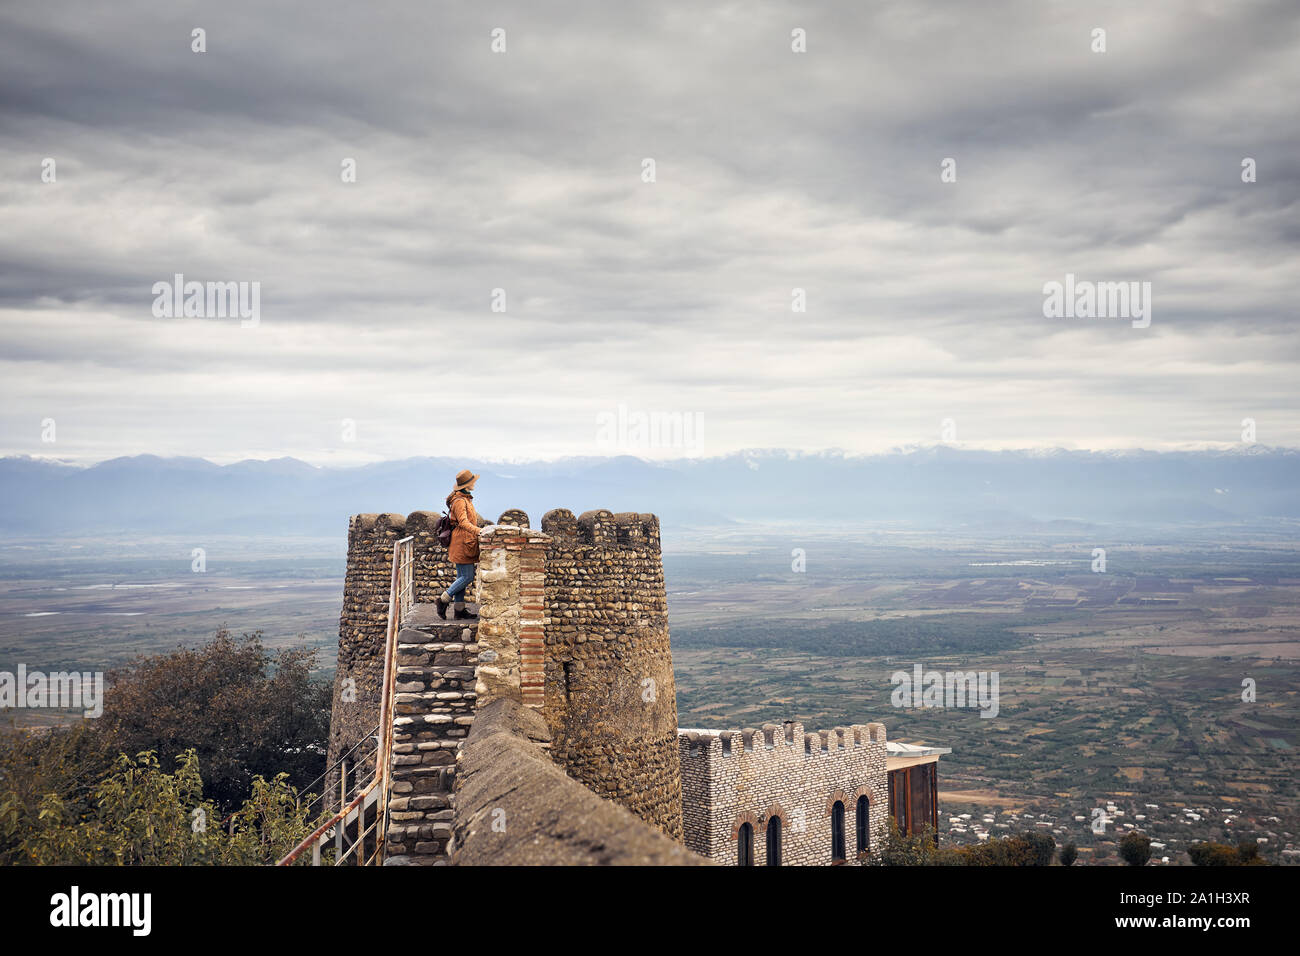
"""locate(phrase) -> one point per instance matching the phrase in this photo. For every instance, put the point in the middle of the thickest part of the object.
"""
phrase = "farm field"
(1104, 702)
(1120, 689)
(96, 604)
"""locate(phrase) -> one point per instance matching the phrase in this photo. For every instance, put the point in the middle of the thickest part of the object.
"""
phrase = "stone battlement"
(626, 529)
(777, 737)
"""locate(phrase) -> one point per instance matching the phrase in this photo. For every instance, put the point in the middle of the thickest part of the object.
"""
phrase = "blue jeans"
(464, 578)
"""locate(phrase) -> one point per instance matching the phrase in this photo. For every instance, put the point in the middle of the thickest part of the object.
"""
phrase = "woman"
(463, 550)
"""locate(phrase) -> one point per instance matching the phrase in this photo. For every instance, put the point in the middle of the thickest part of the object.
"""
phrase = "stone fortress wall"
(573, 622)
(733, 777)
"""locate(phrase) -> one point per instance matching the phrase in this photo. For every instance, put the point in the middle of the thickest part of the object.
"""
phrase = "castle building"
(545, 730)
(780, 797)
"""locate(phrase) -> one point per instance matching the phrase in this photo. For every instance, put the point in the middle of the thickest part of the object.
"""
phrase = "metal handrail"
(316, 836)
(401, 598)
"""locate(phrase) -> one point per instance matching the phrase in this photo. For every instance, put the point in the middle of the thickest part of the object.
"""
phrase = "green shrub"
(1246, 853)
(1135, 848)
(140, 815)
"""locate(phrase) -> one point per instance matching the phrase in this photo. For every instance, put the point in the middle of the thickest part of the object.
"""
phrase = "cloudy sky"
(524, 171)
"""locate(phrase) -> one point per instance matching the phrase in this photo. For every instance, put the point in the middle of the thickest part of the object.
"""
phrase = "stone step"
(452, 637)
(404, 722)
(408, 743)
(446, 676)
(423, 616)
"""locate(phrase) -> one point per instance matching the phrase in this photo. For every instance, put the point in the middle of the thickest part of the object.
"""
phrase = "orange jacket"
(464, 533)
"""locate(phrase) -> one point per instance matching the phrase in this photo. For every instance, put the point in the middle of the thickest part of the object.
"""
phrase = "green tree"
(1042, 846)
(34, 764)
(139, 814)
(1000, 851)
(256, 723)
(1069, 853)
(1245, 853)
(245, 712)
(921, 849)
(1135, 848)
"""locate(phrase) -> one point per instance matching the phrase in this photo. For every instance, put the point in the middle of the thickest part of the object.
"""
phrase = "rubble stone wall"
(610, 698)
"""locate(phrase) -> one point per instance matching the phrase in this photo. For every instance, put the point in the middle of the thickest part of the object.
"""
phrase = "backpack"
(443, 530)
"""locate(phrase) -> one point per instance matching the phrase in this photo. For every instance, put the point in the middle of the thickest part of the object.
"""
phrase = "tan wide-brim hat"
(465, 480)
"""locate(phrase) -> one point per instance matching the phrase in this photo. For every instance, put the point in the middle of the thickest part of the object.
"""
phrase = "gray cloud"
(522, 171)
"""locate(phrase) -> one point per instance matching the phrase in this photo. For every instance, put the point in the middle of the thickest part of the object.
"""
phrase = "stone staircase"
(433, 711)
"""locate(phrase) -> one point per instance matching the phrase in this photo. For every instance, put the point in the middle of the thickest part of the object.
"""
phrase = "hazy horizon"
(931, 487)
(1255, 448)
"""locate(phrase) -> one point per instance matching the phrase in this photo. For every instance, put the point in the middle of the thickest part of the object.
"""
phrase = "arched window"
(837, 832)
(745, 845)
(774, 841)
(864, 824)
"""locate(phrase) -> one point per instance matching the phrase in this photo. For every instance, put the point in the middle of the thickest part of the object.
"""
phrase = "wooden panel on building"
(914, 797)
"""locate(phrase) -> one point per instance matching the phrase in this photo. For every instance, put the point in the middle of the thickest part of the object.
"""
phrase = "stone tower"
(573, 622)
(610, 701)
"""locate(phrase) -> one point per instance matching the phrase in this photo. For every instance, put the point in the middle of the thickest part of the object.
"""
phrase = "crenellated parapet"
(773, 741)
(602, 528)
(514, 516)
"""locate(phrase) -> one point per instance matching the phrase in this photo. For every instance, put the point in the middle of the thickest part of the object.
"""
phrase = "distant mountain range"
(932, 487)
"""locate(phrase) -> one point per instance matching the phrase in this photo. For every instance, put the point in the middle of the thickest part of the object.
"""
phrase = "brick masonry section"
(733, 777)
(511, 575)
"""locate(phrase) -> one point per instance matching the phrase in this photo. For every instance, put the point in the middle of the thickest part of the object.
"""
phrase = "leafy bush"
(245, 713)
(922, 849)
(1246, 853)
(1041, 845)
(917, 849)
(1135, 848)
(254, 722)
(138, 814)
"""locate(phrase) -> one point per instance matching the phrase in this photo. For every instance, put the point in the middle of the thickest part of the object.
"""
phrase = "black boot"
(442, 608)
(462, 613)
